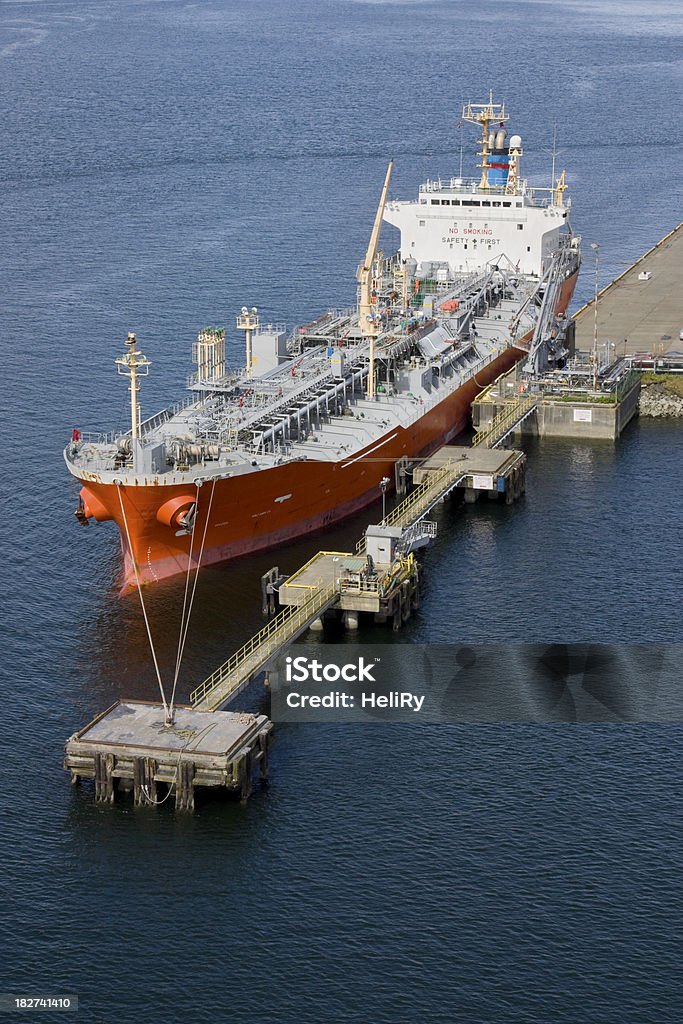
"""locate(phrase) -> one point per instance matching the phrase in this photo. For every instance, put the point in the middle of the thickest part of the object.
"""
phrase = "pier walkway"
(231, 678)
(422, 500)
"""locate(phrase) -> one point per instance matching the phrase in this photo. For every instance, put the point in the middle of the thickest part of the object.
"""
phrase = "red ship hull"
(268, 507)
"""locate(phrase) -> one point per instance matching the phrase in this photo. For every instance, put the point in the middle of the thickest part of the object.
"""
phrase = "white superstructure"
(461, 225)
(453, 222)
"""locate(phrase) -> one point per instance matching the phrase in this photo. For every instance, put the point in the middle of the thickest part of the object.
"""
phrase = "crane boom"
(367, 324)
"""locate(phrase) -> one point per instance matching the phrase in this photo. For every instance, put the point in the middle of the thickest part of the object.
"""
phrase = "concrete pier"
(561, 410)
(639, 325)
(129, 746)
(492, 470)
(637, 313)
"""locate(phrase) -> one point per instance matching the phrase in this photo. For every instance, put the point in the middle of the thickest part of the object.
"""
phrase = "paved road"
(639, 316)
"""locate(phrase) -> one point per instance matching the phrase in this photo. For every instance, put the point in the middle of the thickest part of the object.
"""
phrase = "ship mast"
(366, 320)
(248, 321)
(133, 364)
(485, 114)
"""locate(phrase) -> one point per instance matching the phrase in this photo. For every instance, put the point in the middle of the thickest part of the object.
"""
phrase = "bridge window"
(507, 204)
(486, 202)
(435, 202)
(445, 202)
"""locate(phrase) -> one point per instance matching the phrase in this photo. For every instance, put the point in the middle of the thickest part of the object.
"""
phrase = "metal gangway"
(236, 673)
(424, 498)
(504, 422)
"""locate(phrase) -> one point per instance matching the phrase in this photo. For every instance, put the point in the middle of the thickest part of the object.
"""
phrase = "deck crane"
(366, 318)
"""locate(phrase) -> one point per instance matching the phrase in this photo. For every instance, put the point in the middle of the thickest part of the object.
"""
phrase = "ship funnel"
(499, 163)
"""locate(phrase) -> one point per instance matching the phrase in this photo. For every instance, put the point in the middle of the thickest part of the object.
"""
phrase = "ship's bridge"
(456, 221)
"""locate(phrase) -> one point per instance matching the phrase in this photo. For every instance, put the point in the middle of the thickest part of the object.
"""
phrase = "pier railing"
(235, 673)
(505, 422)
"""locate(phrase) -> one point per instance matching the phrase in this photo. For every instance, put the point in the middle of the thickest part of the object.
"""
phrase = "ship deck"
(303, 409)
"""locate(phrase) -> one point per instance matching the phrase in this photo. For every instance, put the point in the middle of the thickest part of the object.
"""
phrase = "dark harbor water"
(161, 164)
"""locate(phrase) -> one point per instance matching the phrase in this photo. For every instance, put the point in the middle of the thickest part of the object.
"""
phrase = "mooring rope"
(142, 603)
(186, 624)
(171, 786)
(187, 588)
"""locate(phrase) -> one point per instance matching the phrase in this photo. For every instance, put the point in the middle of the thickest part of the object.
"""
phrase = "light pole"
(596, 249)
(383, 484)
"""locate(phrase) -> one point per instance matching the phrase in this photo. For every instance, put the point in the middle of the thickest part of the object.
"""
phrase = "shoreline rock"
(656, 401)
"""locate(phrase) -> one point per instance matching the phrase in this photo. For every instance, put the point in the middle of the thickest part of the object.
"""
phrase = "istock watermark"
(461, 683)
(301, 669)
